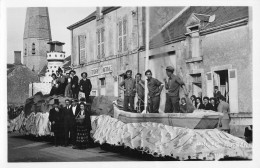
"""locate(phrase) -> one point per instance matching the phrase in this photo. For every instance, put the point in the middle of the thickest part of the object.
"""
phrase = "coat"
(75, 82)
(86, 86)
(67, 117)
(57, 117)
(208, 107)
(87, 120)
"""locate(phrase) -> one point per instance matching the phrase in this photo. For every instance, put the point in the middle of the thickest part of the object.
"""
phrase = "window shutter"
(82, 43)
(125, 34)
(209, 84)
(102, 42)
(233, 90)
(120, 40)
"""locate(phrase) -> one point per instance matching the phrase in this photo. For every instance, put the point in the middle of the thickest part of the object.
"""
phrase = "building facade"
(210, 46)
(106, 44)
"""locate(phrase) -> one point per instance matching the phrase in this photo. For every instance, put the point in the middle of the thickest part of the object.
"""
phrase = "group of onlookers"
(70, 85)
(14, 111)
(71, 124)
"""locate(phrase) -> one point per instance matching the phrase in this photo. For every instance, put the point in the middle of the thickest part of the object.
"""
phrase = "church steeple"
(37, 33)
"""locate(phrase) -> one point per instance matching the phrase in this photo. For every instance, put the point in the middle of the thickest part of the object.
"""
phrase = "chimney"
(17, 57)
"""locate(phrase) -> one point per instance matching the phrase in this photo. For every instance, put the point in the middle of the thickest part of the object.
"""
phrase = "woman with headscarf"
(83, 128)
(214, 104)
(199, 105)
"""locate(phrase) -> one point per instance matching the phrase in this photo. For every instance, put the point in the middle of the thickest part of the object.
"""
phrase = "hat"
(84, 73)
(56, 101)
(73, 71)
(60, 70)
(130, 71)
(170, 68)
(74, 100)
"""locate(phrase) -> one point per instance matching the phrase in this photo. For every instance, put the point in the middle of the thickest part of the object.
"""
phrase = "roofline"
(170, 21)
(83, 21)
(89, 19)
(106, 11)
(224, 26)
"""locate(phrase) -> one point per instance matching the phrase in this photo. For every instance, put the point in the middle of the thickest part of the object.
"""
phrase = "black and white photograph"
(129, 83)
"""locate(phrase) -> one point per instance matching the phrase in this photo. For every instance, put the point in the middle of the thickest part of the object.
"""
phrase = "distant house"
(18, 78)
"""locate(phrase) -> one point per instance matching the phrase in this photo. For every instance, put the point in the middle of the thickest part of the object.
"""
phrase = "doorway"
(220, 79)
(102, 86)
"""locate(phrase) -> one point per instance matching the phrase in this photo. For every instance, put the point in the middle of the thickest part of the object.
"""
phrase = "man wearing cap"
(172, 87)
(56, 119)
(85, 85)
(155, 88)
(74, 84)
(128, 86)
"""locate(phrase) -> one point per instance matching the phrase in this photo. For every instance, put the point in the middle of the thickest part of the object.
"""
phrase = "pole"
(147, 21)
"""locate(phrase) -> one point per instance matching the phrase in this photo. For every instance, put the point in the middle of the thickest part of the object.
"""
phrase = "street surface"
(29, 149)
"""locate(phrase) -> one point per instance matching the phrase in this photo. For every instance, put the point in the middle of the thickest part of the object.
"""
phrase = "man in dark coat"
(85, 85)
(56, 119)
(67, 117)
(74, 84)
(75, 109)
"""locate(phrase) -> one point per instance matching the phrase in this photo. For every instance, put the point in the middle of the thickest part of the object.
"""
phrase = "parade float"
(163, 137)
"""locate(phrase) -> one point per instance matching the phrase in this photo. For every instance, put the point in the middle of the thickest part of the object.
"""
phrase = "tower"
(55, 58)
(37, 33)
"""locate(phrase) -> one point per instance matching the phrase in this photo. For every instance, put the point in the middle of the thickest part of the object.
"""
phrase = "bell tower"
(37, 33)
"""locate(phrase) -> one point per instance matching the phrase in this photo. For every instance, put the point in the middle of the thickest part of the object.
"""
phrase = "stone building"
(18, 78)
(107, 43)
(210, 46)
(37, 33)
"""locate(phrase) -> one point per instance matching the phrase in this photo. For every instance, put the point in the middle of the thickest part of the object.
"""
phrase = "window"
(54, 66)
(25, 51)
(100, 43)
(61, 55)
(33, 48)
(55, 55)
(102, 82)
(122, 35)
(50, 55)
(82, 44)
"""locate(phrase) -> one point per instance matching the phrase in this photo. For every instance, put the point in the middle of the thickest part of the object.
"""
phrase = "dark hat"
(84, 73)
(60, 70)
(170, 68)
(73, 71)
(56, 101)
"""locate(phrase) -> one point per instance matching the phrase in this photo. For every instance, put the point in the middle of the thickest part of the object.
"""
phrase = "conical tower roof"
(37, 23)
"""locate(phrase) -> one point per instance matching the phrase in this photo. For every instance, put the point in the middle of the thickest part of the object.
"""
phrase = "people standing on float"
(74, 84)
(68, 91)
(85, 86)
(128, 86)
(154, 91)
(62, 82)
(140, 85)
(54, 84)
(172, 87)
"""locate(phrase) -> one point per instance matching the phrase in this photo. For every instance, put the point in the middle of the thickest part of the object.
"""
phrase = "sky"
(60, 19)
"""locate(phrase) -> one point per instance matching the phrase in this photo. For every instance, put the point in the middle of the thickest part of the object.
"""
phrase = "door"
(102, 86)
(233, 90)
